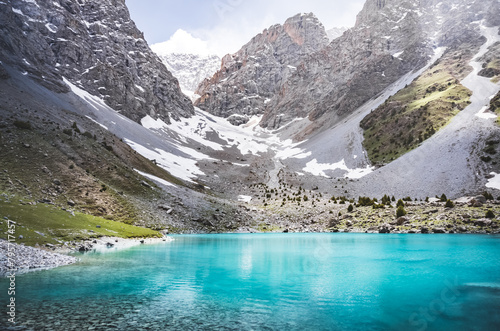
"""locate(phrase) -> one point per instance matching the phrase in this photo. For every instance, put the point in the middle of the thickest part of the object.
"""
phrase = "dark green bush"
(449, 204)
(400, 211)
(490, 214)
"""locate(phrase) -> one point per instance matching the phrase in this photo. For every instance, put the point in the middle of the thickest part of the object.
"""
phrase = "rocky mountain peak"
(249, 78)
(96, 46)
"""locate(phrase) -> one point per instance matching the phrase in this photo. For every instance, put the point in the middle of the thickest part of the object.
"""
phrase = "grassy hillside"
(38, 223)
(418, 111)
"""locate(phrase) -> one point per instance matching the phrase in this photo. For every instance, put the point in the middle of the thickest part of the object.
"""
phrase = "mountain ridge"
(95, 47)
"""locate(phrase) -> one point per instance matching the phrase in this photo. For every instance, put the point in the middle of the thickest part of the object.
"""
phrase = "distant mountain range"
(190, 69)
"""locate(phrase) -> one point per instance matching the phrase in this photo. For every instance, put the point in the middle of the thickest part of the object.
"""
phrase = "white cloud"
(182, 42)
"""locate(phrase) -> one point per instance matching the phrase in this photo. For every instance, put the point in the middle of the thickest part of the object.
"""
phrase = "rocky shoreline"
(21, 259)
(25, 258)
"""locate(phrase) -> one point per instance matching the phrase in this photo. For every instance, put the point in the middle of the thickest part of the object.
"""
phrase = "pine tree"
(400, 212)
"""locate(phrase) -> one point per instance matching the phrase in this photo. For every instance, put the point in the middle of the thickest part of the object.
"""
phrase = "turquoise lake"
(272, 282)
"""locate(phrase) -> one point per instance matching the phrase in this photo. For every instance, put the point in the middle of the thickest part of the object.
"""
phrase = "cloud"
(182, 42)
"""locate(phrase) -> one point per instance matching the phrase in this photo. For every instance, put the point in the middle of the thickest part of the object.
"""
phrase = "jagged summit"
(249, 78)
(95, 45)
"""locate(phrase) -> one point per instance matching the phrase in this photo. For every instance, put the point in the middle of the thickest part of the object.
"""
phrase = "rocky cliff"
(95, 45)
(249, 78)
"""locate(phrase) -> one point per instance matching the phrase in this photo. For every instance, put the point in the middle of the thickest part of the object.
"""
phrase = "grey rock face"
(249, 78)
(96, 46)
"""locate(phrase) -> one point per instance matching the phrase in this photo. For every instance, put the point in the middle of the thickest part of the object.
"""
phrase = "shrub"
(88, 135)
(400, 212)
(443, 198)
(350, 208)
(305, 198)
(25, 125)
(449, 204)
(490, 214)
(365, 201)
(400, 203)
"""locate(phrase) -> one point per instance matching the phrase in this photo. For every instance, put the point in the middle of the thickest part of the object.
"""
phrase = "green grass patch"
(415, 113)
(42, 223)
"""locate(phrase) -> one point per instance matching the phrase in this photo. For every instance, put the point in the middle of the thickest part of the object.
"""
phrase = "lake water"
(273, 282)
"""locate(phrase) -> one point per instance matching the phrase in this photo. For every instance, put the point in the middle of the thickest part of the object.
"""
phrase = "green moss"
(42, 223)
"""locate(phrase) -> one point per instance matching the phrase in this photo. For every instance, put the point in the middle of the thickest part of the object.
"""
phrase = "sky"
(223, 26)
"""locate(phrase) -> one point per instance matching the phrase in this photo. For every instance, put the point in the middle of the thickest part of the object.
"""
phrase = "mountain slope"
(95, 45)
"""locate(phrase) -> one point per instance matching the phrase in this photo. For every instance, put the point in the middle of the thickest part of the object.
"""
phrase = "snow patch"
(92, 100)
(485, 114)
(180, 167)
(318, 169)
(494, 182)
(150, 123)
(154, 178)
(244, 198)
(101, 125)
(398, 54)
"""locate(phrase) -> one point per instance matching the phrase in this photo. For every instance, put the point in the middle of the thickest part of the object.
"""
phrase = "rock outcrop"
(95, 45)
(249, 78)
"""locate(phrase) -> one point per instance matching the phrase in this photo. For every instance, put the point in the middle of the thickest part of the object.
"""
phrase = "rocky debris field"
(309, 211)
(24, 258)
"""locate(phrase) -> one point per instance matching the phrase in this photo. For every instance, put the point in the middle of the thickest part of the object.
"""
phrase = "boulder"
(438, 230)
(483, 222)
(480, 198)
(384, 228)
(475, 203)
(85, 248)
(423, 229)
(402, 220)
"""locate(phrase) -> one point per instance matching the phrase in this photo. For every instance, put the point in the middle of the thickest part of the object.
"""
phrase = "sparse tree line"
(287, 194)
